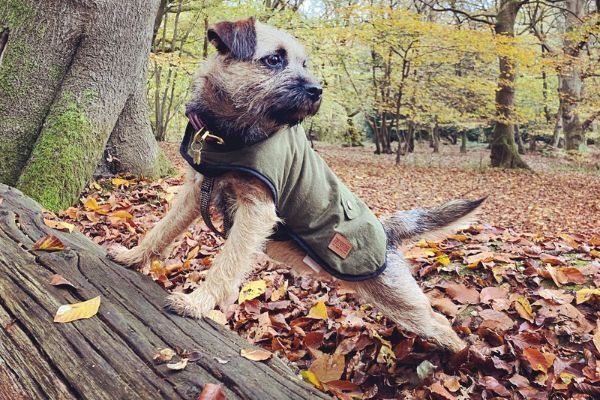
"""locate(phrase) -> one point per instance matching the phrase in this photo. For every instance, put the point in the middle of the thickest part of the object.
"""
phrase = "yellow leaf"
(59, 225)
(164, 355)
(91, 204)
(443, 259)
(256, 354)
(523, 307)
(121, 214)
(252, 290)
(311, 378)
(72, 312)
(120, 182)
(48, 243)
(584, 295)
(217, 316)
(318, 311)
(280, 292)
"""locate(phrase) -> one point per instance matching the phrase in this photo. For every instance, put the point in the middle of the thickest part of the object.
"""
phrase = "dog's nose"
(314, 91)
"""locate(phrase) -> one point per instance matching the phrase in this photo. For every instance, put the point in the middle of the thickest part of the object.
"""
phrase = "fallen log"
(108, 356)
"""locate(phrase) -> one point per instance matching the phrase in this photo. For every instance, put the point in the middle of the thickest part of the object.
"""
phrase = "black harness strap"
(205, 193)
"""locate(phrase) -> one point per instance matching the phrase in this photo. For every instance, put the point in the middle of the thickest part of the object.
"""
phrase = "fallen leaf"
(425, 369)
(120, 182)
(164, 355)
(328, 367)
(121, 214)
(48, 243)
(491, 383)
(440, 391)
(586, 294)
(474, 260)
(523, 308)
(256, 354)
(311, 378)
(252, 290)
(537, 360)
(59, 280)
(318, 311)
(91, 204)
(72, 312)
(462, 293)
(59, 225)
(178, 366)
(212, 391)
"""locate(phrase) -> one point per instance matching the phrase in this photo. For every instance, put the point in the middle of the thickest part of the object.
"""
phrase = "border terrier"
(245, 139)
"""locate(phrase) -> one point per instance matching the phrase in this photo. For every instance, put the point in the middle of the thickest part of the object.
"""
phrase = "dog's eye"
(273, 61)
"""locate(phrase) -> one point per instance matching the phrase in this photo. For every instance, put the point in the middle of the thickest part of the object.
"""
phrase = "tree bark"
(571, 83)
(503, 150)
(108, 356)
(71, 80)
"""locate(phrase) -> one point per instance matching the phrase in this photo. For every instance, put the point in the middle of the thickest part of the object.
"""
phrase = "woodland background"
(421, 98)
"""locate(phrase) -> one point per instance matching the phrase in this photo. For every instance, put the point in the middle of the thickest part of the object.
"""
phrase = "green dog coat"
(333, 226)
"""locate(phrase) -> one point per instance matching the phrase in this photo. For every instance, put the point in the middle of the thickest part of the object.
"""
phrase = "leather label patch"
(340, 245)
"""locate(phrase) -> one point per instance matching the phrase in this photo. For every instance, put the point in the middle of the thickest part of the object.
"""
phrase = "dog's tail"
(431, 223)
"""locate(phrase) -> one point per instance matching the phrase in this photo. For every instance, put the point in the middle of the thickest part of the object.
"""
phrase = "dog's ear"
(235, 38)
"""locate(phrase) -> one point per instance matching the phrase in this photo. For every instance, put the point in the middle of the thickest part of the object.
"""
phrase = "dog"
(253, 94)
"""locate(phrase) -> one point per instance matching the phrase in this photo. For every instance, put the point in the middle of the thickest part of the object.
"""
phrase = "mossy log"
(108, 356)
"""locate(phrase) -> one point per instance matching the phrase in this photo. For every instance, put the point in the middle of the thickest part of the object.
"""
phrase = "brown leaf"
(491, 383)
(48, 243)
(212, 391)
(164, 355)
(59, 280)
(552, 260)
(328, 367)
(438, 391)
(537, 360)
(496, 320)
(462, 293)
(256, 354)
(488, 294)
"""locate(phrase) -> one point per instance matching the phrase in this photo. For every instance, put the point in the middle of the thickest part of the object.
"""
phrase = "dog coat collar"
(323, 217)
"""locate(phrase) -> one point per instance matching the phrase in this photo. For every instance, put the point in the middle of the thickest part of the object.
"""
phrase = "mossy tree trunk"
(72, 85)
(503, 149)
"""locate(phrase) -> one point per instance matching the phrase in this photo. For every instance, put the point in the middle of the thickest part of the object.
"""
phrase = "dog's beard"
(292, 105)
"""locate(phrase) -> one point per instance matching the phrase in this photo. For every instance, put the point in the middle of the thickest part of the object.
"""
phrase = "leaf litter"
(522, 287)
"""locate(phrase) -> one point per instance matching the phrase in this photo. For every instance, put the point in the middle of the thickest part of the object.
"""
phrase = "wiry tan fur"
(235, 95)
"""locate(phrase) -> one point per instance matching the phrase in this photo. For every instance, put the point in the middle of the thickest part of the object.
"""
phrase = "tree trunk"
(571, 83)
(410, 140)
(558, 126)
(503, 150)
(72, 80)
(519, 140)
(111, 355)
(435, 137)
(463, 141)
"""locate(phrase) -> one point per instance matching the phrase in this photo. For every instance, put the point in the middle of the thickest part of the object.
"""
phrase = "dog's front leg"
(253, 222)
(184, 211)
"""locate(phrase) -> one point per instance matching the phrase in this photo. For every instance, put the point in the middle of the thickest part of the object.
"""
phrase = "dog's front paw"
(133, 258)
(195, 305)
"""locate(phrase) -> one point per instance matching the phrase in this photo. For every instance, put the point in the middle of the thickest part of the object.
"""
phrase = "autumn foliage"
(527, 302)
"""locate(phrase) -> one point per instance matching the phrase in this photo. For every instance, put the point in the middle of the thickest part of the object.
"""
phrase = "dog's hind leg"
(396, 293)
(184, 211)
(253, 222)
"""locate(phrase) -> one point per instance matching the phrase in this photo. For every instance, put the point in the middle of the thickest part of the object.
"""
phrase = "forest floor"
(522, 286)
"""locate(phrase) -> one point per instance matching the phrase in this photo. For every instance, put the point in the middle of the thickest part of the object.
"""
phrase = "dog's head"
(257, 83)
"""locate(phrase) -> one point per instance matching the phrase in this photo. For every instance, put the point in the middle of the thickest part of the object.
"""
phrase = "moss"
(16, 64)
(64, 156)
(17, 12)
(163, 167)
(13, 153)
